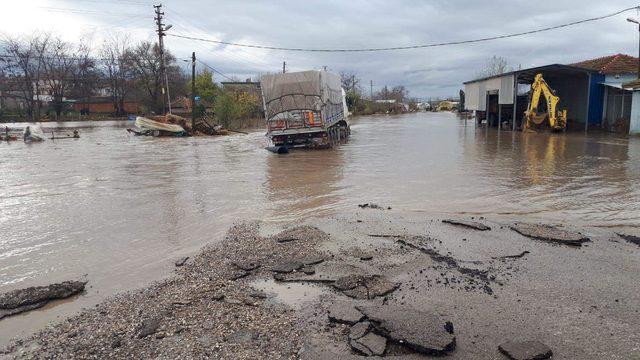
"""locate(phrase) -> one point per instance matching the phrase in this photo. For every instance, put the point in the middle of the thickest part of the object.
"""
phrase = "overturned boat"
(304, 109)
(33, 133)
(148, 127)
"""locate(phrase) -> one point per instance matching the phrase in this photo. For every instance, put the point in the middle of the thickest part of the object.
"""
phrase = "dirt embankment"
(373, 283)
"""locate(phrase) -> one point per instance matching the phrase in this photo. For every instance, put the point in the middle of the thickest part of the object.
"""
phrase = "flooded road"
(117, 210)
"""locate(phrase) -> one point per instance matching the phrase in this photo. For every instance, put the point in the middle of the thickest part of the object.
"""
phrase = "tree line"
(42, 70)
(359, 101)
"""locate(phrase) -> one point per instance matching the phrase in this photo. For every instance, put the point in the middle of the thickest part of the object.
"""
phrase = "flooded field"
(118, 210)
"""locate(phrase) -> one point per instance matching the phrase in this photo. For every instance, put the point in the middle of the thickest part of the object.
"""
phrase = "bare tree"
(59, 65)
(350, 82)
(145, 64)
(85, 73)
(495, 65)
(24, 68)
(117, 61)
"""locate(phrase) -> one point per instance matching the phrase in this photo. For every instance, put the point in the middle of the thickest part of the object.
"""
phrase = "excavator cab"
(536, 118)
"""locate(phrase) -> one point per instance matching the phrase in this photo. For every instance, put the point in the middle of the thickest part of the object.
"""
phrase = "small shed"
(502, 99)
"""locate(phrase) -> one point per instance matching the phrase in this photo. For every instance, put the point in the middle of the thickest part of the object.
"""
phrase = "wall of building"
(106, 107)
(634, 125)
(573, 91)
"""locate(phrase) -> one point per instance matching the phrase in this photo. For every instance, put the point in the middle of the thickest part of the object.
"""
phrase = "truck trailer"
(305, 109)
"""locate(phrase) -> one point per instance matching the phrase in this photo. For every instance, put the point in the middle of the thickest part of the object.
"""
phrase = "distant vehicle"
(305, 109)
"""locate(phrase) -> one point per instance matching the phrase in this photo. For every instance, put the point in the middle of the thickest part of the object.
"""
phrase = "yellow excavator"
(533, 119)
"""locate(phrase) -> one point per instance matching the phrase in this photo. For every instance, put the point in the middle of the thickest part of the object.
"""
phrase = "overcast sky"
(426, 73)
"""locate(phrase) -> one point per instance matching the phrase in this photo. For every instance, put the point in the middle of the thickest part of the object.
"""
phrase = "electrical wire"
(507, 36)
(214, 70)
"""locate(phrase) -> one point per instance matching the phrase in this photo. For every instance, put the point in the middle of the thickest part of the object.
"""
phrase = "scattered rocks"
(243, 336)
(148, 327)
(550, 233)
(469, 224)
(181, 261)
(373, 206)
(518, 256)
(630, 238)
(238, 274)
(246, 265)
(308, 270)
(312, 260)
(365, 286)
(18, 301)
(287, 267)
(525, 350)
(282, 240)
(344, 313)
(417, 330)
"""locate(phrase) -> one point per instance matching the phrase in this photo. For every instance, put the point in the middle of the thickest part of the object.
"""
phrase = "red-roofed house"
(618, 70)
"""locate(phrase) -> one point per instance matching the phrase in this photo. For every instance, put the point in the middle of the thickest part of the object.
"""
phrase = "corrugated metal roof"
(530, 73)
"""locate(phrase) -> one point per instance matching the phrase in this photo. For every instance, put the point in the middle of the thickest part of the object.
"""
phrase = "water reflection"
(304, 183)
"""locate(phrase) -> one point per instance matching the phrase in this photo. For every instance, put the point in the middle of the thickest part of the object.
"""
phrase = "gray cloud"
(376, 23)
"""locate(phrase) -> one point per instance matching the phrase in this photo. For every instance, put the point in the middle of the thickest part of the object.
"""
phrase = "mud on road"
(372, 283)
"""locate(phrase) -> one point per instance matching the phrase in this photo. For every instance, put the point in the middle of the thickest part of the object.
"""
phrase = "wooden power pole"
(163, 72)
(193, 90)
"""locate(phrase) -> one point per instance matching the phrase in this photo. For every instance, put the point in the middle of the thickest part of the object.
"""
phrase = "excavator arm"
(557, 119)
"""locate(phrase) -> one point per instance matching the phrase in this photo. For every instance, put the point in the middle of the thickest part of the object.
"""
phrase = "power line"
(214, 70)
(90, 12)
(412, 46)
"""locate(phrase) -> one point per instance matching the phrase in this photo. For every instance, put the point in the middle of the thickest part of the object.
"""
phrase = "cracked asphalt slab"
(581, 302)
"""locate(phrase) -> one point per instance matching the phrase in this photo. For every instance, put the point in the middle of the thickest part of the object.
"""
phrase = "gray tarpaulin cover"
(306, 90)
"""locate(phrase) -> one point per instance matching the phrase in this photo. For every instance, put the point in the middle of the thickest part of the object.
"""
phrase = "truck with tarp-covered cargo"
(305, 109)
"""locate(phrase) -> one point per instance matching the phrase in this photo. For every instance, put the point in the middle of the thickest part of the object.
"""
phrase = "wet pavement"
(118, 211)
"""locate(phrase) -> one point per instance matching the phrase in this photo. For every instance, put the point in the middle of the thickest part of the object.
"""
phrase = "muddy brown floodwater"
(118, 210)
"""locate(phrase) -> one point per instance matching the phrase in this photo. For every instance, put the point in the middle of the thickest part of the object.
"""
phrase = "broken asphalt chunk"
(469, 224)
(18, 301)
(525, 350)
(344, 313)
(419, 331)
(630, 238)
(550, 233)
(365, 286)
(181, 261)
(369, 345)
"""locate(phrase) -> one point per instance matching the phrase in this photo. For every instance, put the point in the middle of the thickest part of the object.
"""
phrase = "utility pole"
(284, 67)
(371, 90)
(163, 72)
(193, 90)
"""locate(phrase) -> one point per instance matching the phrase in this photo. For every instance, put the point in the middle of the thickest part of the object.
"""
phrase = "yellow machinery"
(557, 118)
